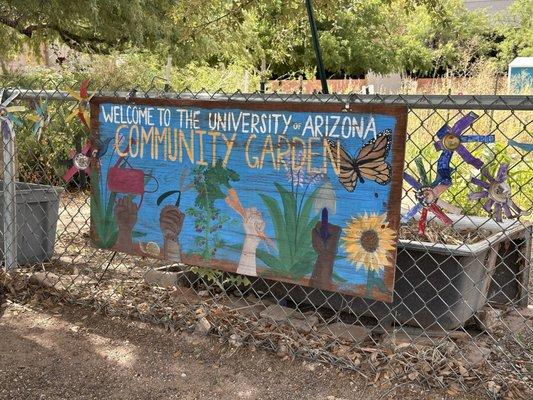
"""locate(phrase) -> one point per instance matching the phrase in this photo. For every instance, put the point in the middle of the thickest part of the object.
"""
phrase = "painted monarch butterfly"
(369, 164)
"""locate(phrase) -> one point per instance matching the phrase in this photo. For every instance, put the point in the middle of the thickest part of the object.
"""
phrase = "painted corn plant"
(209, 182)
(102, 213)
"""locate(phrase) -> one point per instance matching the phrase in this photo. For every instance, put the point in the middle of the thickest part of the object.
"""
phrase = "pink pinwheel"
(81, 161)
(498, 194)
(451, 140)
(428, 199)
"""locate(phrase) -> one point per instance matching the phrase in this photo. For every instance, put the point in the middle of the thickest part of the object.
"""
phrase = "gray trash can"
(37, 212)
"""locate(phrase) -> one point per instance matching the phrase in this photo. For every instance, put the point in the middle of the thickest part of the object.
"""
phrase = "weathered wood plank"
(300, 192)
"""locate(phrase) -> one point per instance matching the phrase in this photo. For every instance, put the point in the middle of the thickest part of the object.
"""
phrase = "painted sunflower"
(368, 240)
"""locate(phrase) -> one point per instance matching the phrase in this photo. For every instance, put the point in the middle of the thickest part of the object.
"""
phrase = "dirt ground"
(69, 352)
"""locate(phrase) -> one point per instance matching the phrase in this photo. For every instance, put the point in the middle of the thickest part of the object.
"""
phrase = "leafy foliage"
(219, 278)
(102, 212)
(296, 256)
(209, 182)
(267, 38)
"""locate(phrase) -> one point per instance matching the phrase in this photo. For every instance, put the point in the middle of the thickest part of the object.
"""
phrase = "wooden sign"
(296, 192)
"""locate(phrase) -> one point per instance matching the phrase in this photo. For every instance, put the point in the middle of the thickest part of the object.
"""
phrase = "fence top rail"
(418, 101)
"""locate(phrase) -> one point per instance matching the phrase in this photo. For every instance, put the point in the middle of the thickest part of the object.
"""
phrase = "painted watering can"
(129, 181)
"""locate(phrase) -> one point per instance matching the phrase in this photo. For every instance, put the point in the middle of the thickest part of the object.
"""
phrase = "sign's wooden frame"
(399, 112)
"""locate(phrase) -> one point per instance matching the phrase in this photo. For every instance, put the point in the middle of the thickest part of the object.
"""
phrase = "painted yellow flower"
(368, 240)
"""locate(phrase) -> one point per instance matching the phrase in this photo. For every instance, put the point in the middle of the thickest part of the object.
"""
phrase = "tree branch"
(75, 41)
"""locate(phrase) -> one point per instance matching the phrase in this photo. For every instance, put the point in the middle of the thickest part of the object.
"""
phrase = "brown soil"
(436, 233)
(64, 352)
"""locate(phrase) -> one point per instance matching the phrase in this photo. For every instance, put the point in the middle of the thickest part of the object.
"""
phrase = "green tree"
(188, 30)
(517, 33)
(447, 40)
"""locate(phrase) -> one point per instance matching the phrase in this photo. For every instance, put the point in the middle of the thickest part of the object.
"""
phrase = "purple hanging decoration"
(451, 140)
(497, 193)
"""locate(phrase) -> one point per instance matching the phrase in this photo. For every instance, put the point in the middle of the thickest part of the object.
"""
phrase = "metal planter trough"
(37, 212)
(443, 286)
(439, 286)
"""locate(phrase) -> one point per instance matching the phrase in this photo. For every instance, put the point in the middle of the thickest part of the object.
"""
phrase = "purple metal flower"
(498, 194)
(451, 140)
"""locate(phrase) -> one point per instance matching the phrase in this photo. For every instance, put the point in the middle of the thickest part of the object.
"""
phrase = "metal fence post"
(10, 201)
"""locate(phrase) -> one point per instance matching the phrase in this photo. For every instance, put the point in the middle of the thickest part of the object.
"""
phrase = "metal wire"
(460, 317)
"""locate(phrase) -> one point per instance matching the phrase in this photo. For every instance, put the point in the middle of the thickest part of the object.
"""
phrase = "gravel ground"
(70, 353)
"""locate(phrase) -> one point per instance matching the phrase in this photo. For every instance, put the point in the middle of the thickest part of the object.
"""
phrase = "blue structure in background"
(521, 74)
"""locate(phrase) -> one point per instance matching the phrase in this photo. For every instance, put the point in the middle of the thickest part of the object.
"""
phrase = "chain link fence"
(460, 318)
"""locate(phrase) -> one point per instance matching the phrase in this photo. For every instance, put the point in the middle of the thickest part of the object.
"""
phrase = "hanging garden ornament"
(427, 195)
(451, 140)
(82, 108)
(497, 193)
(81, 161)
(41, 119)
(7, 118)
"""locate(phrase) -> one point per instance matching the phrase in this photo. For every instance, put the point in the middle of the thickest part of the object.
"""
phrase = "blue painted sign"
(301, 193)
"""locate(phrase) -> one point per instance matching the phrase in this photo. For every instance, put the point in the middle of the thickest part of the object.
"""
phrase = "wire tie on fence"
(346, 107)
(132, 93)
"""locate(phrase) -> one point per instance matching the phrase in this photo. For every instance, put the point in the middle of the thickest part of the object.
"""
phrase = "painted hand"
(254, 226)
(126, 216)
(329, 245)
(326, 249)
(171, 222)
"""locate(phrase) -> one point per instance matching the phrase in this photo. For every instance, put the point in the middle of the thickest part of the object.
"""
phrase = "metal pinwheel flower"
(451, 140)
(81, 161)
(427, 195)
(7, 118)
(41, 118)
(82, 108)
(497, 193)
